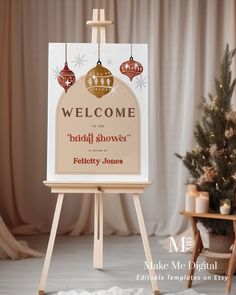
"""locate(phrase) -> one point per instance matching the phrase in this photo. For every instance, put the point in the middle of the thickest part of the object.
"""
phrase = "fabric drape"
(11, 248)
(186, 40)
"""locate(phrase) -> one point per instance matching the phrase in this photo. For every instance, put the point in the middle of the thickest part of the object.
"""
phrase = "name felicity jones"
(97, 162)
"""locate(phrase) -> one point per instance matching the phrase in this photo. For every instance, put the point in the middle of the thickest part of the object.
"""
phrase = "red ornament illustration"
(131, 68)
(66, 77)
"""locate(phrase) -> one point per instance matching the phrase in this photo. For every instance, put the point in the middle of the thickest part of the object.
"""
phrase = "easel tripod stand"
(98, 189)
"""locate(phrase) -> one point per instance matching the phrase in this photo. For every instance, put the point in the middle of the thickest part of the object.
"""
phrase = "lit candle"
(225, 206)
(202, 202)
(191, 187)
(190, 198)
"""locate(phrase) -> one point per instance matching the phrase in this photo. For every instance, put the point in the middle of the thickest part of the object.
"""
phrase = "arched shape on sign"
(98, 135)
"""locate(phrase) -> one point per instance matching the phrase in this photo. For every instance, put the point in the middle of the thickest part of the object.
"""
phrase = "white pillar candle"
(225, 207)
(202, 202)
(190, 200)
(191, 187)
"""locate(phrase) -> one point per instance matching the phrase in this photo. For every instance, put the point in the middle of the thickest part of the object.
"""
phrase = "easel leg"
(51, 244)
(102, 29)
(146, 245)
(231, 263)
(196, 250)
(94, 28)
(98, 232)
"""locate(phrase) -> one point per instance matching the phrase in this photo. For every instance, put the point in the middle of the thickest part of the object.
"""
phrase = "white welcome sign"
(97, 112)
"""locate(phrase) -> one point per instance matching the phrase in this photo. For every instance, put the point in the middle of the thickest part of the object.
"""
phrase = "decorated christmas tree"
(212, 162)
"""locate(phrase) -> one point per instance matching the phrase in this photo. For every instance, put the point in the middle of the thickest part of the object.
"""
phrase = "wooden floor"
(71, 268)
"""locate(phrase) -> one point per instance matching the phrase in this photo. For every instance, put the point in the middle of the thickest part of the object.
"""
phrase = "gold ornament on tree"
(99, 80)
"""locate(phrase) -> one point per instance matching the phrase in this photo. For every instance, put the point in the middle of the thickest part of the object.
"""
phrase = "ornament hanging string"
(99, 54)
(131, 51)
(65, 52)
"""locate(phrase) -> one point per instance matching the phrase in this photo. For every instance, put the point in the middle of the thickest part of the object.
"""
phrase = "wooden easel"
(61, 188)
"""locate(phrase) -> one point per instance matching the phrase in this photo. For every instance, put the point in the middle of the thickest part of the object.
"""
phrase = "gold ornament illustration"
(99, 80)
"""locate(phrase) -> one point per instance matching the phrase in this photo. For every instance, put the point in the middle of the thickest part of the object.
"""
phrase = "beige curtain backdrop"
(186, 41)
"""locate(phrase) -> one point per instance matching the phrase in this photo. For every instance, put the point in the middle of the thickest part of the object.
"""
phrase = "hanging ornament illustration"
(99, 80)
(66, 78)
(131, 67)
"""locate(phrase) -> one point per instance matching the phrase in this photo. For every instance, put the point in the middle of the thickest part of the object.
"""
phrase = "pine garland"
(212, 162)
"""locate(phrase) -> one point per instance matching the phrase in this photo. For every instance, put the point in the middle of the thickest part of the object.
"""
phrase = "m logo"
(185, 245)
